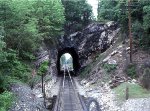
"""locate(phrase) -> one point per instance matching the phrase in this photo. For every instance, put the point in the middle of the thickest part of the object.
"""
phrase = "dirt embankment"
(107, 76)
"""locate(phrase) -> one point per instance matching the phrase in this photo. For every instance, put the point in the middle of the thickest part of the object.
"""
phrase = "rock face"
(41, 55)
(95, 37)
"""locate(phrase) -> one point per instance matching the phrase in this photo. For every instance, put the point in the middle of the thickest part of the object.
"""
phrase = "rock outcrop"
(95, 37)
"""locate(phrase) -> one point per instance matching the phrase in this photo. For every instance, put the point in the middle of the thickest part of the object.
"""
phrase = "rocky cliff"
(95, 37)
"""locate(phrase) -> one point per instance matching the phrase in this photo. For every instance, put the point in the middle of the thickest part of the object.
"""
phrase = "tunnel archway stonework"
(81, 45)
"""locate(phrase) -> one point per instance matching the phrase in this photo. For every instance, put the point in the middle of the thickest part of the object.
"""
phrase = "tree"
(70, 62)
(28, 23)
(2, 46)
(50, 15)
(24, 24)
(140, 14)
(21, 32)
(107, 10)
(78, 14)
(42, 71)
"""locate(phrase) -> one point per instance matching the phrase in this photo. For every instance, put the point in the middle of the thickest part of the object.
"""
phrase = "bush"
(43, 68)
(12, 70)
(131, 70)
(146, 78)
(34, 81)
(27, 56)
(14, 67)
(109, 67)
(5, 100)
(21, 72)
(4, 82)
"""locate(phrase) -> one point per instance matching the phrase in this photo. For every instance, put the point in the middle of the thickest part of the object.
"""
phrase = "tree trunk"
(42, 83)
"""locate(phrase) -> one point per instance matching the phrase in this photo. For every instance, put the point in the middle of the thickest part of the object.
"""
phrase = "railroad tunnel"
(75, 60)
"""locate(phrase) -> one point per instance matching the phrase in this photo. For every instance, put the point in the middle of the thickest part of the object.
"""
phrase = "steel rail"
(68, 98)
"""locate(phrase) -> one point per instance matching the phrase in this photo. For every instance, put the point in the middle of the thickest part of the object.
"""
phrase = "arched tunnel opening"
(73, 62)
(66, 60)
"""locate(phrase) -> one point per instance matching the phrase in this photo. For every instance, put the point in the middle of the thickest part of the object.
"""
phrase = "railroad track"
(68, 98)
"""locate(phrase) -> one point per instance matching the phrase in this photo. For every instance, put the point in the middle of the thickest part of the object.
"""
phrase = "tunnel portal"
(75, 57)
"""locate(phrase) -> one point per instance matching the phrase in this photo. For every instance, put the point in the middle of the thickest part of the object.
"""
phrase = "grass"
(6, 99)
(135, 91)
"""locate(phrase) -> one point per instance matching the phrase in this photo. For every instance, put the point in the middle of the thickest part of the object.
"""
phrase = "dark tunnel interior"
(75, 58)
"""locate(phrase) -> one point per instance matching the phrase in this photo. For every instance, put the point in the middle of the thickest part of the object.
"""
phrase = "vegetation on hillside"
(24, 24)
(116, 10)
(43, 68)
(78, 14)
(6, 100)
(146, 78)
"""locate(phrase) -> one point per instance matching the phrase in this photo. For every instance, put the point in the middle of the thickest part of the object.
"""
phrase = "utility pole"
(129, 25)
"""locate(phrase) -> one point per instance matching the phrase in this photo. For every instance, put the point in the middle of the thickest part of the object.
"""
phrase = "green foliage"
(86, 71)
(5, 82)
(116, 11)
(137, 29)
(32, 82)
(24, 24)
(109, 67)
(135, 91)
(131, 70)
(146, 78)
(63, 60)
(28, 23)
(106, 10)
(43, 68)
(2, 46)
(78, 14)
(50, 15)
(70, 63)
(21, 72)
(28, 56)
(12, 69)
(6, 99)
